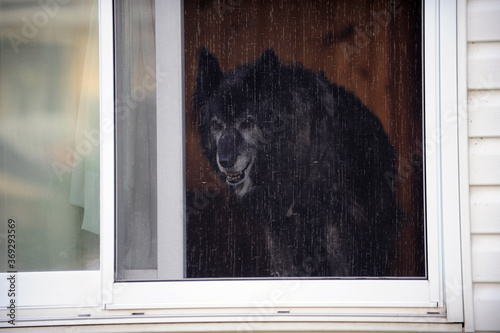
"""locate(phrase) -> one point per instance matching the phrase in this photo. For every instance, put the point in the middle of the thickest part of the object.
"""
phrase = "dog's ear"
(209, 75)
(269, 61)
(267, 72)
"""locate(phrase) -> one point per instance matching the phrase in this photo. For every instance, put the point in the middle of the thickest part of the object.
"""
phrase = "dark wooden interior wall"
(373, 48)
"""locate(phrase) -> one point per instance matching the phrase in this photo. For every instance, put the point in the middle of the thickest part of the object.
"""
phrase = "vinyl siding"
(483, 82)
(485, 210)
(484, 113)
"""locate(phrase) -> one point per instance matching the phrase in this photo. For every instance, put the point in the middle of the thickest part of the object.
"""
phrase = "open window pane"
(49, 134)
(347, 202)
(287, 175)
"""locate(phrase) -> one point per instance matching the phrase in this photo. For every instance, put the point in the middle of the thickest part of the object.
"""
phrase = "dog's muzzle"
(234, 158)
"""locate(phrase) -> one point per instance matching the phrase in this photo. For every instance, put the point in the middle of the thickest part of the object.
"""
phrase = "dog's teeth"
(234, 176)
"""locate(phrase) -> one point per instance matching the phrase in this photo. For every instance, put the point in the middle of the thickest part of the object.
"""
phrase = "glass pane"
(49, 134)
(136, 139)
(288, 173)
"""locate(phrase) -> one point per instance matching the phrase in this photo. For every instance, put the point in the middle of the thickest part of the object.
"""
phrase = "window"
(49, 153)
(421, 286)
(49, 144)
(157, 262)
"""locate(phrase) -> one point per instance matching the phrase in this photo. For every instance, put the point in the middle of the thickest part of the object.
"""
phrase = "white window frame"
(68, 298)
(442, 222)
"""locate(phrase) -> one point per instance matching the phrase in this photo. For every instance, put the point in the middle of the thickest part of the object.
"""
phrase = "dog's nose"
(226, 161)
(227, 148)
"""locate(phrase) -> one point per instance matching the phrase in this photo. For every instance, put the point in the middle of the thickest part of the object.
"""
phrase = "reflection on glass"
(49, 133)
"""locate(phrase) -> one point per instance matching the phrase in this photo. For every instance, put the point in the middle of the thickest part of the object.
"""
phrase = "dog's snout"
(227, 148)
(227, 160)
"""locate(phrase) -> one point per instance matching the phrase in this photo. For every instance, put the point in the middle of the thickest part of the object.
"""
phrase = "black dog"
(308, 159)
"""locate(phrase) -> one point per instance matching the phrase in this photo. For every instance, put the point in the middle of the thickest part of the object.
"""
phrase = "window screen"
(304, 139)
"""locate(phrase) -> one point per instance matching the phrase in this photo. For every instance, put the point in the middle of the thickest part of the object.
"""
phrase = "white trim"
(240, 322)
(432, 147)
(53, 289)
(107, 111)
(272, 293)
(463, 155)
(450, 200)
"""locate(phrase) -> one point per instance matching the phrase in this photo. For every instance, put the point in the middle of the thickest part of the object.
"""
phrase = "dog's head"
(233, 118)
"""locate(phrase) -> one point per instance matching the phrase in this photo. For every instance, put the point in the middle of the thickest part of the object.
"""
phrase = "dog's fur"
(308, 159)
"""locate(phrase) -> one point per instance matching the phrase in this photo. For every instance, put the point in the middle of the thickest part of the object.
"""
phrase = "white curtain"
(85, 176)
(136, 138)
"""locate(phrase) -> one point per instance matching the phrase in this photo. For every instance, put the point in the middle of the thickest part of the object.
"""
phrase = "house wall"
(483, 84)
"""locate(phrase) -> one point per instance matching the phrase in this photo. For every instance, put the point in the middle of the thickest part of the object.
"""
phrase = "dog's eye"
(247, 123)
(217, 126)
